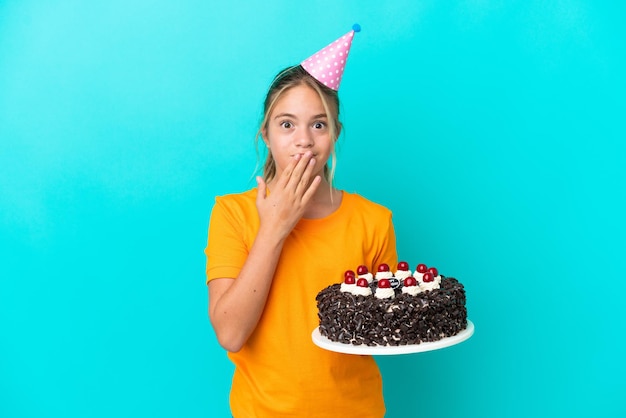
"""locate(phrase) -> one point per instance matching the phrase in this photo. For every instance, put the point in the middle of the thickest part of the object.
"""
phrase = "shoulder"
(356, 201)
(236, 204)
(237, 199)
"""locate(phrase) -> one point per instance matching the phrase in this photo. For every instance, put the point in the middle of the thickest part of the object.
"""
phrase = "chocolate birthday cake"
(392, 308)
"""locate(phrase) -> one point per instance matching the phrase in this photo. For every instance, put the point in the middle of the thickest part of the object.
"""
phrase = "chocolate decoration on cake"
(395, 283)
(430, 315)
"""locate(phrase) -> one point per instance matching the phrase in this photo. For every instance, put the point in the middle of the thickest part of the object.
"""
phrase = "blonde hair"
(285, 80)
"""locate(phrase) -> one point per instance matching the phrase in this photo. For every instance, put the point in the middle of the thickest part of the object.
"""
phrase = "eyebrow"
(289, 115)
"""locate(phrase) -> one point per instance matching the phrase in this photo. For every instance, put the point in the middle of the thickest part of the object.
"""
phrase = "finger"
(305, 177)
(262, 189)
(310, 191)
(302, 171)
(285, 177)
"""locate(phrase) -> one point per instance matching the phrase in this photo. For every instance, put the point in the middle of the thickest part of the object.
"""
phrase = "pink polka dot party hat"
(328, 63)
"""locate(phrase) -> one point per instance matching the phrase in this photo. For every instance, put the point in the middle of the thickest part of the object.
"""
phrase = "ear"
(264, 137)
(339, 127)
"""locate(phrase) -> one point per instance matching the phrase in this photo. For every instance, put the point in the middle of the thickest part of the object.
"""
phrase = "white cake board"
(387, 350)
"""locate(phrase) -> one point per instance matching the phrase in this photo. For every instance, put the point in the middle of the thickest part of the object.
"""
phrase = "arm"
(235, 305)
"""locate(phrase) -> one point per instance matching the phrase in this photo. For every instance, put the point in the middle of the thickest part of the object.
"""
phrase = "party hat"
(327, 64)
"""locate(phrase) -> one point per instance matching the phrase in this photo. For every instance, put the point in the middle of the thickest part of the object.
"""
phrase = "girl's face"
(298, 123)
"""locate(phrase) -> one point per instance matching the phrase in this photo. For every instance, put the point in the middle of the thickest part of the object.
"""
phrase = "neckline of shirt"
(342, 207)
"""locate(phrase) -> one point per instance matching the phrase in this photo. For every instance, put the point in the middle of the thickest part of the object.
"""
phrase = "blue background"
(494, 131)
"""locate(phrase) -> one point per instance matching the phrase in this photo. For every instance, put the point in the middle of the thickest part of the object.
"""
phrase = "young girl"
(273, 248)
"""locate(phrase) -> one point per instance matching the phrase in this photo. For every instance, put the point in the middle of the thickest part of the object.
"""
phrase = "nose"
(304, 139)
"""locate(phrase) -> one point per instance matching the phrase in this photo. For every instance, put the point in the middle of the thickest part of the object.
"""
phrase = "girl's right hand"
(235, 305)
(281, 208)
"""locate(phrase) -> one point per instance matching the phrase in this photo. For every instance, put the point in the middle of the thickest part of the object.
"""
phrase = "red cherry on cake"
(428, 277)
(410, 281)
(362, 270)
(349, 280)
(403, 266)
(384, 284)
(421, 268)
(349, 273)
(383, 267)
(434, 271)
(362, 282)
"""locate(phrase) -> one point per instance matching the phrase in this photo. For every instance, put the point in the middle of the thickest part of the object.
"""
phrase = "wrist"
(271, 237)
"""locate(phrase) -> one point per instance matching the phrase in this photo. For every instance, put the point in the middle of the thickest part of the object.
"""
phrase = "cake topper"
(403, 266)
(328, 63)
(410, 281)
(428, 277)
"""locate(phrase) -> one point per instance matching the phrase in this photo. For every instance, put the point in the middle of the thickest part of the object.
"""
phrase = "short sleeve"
(388, 252)
(226, 249)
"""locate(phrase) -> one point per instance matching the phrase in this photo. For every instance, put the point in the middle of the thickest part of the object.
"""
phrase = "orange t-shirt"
(280, 372)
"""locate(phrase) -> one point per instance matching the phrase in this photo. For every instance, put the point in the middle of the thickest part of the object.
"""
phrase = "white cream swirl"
(429, 285)
(402, 274)
(367, 276)
(438, 280)
(418, 276)
(412, 290)
(345, 287)
(385, 293)
(384, 275)
(361, 291)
